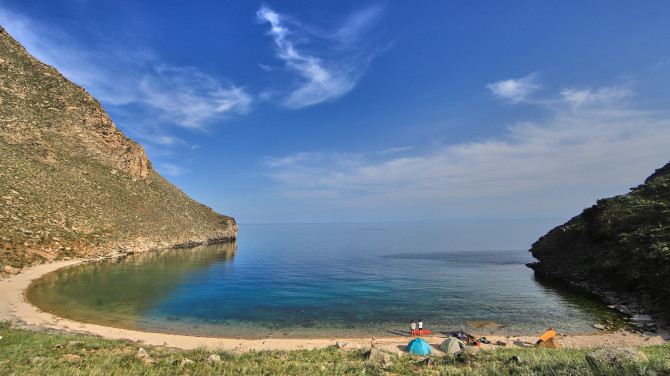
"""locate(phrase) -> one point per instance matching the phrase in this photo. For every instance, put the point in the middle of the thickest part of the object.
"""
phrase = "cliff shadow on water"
(617, 250)
(117, 292)
(594, 305)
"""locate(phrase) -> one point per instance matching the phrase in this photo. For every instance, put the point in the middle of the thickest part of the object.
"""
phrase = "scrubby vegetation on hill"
(71, 184)
(618, 249)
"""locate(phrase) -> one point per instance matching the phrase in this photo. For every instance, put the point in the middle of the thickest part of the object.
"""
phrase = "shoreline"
(15, 308)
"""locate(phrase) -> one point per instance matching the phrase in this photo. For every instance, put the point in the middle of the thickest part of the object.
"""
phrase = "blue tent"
(419, 346)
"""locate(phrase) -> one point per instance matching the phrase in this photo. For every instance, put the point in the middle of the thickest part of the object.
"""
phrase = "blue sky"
(354, 111)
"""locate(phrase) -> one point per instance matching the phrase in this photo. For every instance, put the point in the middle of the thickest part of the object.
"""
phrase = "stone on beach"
(11, 270)
(340, 345)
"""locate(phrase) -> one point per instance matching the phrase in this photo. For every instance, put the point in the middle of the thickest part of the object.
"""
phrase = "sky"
(365, 111)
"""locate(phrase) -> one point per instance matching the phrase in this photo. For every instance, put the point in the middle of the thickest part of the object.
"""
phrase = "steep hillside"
(71, 184)
(618, 249)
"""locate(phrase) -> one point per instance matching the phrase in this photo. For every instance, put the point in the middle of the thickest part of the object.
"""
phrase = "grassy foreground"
(25, 352)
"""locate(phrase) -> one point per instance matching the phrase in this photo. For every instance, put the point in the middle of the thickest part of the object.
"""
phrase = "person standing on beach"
(412, 328)
(420, 327)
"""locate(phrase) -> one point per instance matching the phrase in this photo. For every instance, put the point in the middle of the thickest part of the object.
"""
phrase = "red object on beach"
(419, 332)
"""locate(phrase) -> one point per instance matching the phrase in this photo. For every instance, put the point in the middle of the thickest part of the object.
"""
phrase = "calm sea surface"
(291, 280)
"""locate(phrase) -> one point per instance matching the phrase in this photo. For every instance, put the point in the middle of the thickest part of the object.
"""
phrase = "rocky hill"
(618, 249)
(71, 184)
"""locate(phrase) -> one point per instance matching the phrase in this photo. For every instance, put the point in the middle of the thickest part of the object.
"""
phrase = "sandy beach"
(15, 308)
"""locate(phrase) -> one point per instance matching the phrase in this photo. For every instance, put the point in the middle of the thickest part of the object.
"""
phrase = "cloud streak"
(147, 98)
(324, 77)
(604, 97)
(120, 75)
(189, 97)
(514, 90)
(572, 153)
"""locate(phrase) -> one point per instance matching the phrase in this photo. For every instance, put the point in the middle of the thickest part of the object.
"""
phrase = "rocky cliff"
(618, 249)
(71, 183)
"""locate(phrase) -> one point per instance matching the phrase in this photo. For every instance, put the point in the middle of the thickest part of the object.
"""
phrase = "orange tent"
(548, 334)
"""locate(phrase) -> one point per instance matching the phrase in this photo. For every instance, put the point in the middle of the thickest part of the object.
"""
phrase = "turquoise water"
(323, 280)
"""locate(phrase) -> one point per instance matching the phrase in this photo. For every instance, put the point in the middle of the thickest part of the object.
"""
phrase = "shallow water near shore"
(326, 280)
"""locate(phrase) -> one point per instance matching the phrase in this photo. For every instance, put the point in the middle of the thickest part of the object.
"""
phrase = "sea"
(327, 280)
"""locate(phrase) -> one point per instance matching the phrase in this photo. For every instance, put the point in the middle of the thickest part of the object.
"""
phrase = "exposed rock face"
(618, 249)
(71, 183)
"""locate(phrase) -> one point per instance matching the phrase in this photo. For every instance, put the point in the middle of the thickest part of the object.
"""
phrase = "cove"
(325, 280)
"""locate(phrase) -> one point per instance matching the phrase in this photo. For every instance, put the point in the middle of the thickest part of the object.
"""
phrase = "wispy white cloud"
(358, 24)
(605, 97)
(189, 97)
(170, 169)
(572, 153)
(514, 90)
(320, 77)
(121, 75)
(149, 99)
(395, 150)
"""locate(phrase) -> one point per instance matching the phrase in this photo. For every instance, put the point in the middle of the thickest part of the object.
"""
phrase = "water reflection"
(119, 291)
(579, 302)
(321, 280)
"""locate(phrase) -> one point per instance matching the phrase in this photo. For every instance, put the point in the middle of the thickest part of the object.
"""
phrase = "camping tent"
(548, 334)
(419, 346)
(452, 345)
(548, 344)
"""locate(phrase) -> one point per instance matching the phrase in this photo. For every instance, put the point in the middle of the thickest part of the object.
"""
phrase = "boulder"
(11, 270)
(617, 356)
(375, 355)
(186, 361)
(214, 359)
(142, 354)
(427, 362)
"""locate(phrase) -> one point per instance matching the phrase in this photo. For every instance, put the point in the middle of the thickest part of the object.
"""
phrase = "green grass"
(25, 352)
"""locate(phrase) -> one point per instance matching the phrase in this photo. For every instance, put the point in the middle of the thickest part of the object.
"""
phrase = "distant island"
(618, 250)
(72, 184)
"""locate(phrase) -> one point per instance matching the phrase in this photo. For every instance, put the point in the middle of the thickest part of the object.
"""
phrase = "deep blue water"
(283, 280)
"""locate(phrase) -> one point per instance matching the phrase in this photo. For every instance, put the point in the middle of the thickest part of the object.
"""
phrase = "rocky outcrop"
(617, 250)
(72, 184)
(607, 359)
